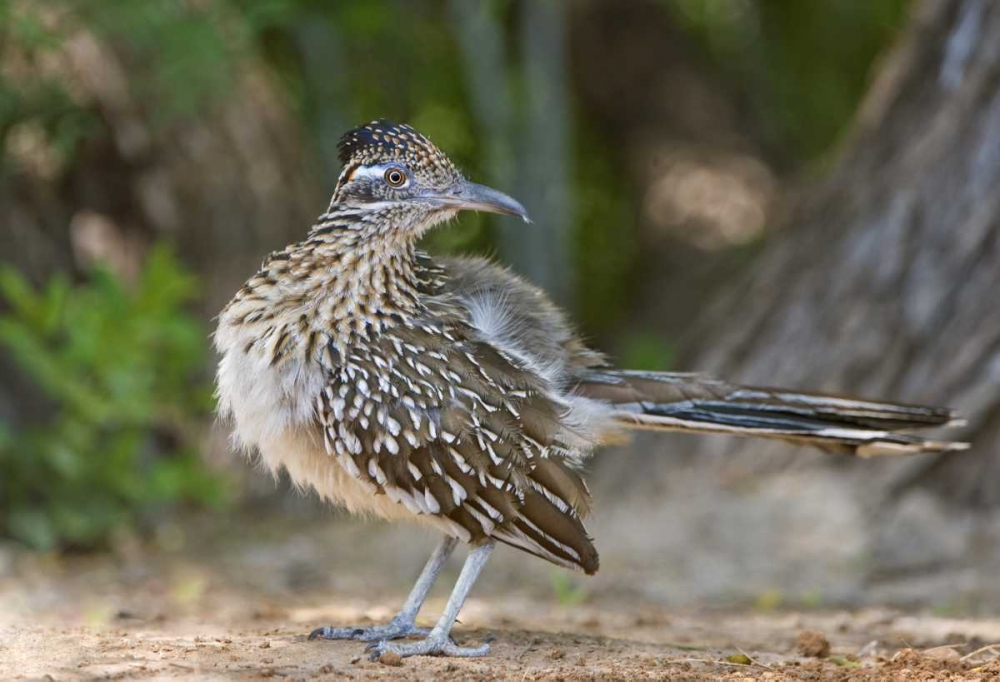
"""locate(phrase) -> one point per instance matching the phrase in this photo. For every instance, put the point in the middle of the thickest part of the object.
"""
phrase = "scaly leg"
(402, 624)
(439, 641)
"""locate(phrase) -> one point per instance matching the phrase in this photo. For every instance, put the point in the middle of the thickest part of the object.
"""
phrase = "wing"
(514, 315)
(451, 426)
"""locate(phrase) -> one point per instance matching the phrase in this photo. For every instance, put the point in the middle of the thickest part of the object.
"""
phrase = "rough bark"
(886, 280)
(883, 281)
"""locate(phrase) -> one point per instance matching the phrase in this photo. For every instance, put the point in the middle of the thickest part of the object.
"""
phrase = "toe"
(327, 632)
(449, 648)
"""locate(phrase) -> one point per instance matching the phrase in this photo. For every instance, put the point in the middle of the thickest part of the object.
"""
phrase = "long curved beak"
(470, 196)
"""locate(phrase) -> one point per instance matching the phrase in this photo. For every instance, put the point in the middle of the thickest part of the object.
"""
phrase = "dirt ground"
(228, 607)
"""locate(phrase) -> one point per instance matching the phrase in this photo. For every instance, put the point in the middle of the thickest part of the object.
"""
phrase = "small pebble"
(813, 644)
(391, 658)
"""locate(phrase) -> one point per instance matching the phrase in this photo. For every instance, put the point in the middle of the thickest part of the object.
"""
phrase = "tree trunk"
(883, 282)
(886, 282)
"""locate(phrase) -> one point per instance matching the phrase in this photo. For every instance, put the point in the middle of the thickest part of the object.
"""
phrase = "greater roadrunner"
(451, 392)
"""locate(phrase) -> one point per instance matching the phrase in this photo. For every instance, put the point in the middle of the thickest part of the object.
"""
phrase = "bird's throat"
(364, 285)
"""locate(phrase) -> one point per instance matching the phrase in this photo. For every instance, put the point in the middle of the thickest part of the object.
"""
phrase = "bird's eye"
(395, 177)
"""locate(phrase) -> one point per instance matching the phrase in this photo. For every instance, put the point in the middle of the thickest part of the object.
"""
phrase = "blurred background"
(780, 192)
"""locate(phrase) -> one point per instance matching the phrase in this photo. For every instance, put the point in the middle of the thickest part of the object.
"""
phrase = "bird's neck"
(348, 282)
(366, 280)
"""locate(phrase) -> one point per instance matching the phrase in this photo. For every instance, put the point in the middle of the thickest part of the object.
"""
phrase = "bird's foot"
(434, 644)
(394, 629)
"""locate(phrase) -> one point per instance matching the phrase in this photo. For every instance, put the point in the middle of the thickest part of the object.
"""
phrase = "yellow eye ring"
(395, 177)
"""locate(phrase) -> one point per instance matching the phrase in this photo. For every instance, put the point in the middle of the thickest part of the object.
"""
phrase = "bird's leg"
(438, 641)
(403, 624)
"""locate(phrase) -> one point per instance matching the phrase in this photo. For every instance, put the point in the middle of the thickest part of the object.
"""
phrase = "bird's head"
(396, 178)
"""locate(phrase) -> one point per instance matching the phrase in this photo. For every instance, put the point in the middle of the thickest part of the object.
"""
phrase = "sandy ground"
(227, 607)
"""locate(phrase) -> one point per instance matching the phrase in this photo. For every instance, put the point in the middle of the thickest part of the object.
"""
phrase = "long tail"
(693, 402)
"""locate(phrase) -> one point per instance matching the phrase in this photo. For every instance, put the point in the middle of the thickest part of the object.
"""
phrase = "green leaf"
(17, 292)
(32, 527)
(567, 591)
(125, 374)
(844, 662)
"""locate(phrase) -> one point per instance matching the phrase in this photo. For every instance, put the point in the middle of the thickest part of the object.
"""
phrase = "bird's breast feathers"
(454, 380)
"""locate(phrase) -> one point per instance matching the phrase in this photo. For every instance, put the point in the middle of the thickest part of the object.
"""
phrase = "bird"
(451, 392)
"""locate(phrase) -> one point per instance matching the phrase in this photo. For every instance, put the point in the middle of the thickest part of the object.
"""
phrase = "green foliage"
(119, 369)
(184, 57)
(188, 55)
(566, 589)
(647, 351)
(27, 95)
(844, 662)
(803, 66)
(354, 60)
(804, 48)
(607, 242)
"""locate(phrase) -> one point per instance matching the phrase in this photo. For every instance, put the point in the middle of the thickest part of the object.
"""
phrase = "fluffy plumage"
(450, 391)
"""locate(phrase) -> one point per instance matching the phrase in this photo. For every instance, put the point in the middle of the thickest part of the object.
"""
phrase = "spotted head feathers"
(397, 181)
(382, 142)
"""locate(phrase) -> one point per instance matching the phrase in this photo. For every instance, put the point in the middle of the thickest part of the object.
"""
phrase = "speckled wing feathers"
(447, 425)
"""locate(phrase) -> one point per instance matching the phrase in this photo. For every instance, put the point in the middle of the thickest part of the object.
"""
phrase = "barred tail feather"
(695, 403)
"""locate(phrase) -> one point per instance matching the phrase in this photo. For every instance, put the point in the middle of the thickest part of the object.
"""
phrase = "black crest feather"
(371, 138)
